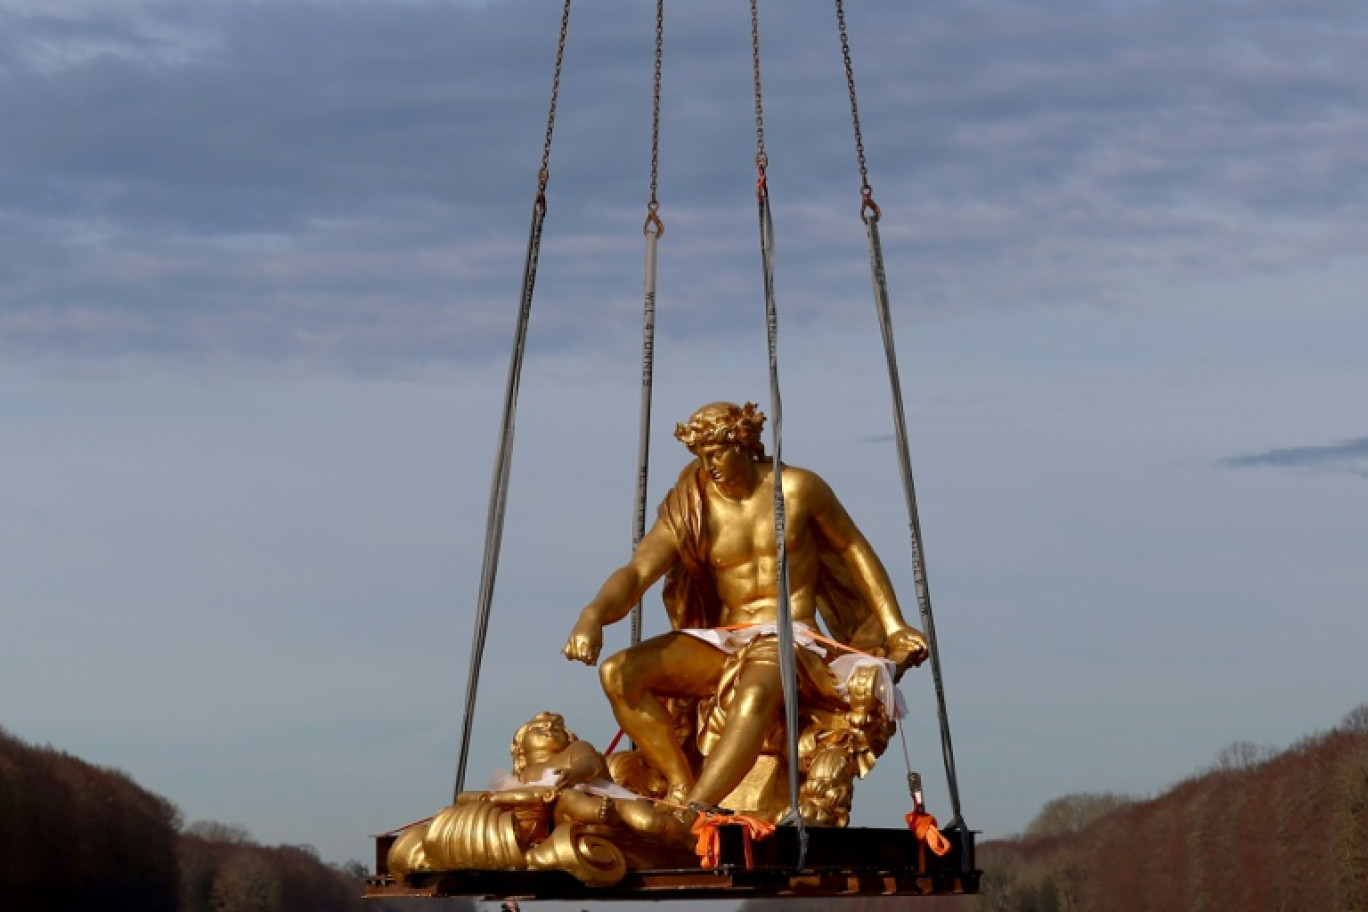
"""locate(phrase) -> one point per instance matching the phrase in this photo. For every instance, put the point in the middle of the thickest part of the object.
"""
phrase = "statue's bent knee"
(614, 673)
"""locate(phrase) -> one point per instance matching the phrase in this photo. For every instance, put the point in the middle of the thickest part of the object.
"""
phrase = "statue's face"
(545, 737)
(727, 466)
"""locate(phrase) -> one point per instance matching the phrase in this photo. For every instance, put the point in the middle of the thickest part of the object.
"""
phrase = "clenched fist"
(906, 647)
(585, 642)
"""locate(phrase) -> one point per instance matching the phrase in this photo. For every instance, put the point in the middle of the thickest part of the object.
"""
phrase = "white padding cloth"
(844, 667)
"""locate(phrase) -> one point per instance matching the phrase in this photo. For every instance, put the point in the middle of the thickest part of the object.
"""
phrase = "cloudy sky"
(259, 266)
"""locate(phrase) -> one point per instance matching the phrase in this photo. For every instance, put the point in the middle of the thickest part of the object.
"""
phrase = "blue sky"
(259, 265)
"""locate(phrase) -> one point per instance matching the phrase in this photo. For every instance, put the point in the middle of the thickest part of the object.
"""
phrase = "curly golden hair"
(725, 424)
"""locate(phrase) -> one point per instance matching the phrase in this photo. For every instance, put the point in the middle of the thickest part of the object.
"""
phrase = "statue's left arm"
(839, 532)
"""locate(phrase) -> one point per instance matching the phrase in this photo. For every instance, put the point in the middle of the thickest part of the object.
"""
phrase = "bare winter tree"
(216, 831)
(1356, 719)
(246, 883)
(1072, 813)
(1241, 755)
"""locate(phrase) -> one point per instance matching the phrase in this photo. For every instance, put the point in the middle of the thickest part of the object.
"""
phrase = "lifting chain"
(653, 222)
(544, 175)
(761, 159)
(867, 204)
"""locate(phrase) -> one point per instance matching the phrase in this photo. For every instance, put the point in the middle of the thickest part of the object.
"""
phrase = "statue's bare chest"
(742, 531)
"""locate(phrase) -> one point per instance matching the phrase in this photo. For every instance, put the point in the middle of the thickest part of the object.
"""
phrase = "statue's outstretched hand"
(585, 642)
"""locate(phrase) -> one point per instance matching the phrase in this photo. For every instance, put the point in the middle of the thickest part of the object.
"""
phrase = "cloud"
(1349, 456)
(348, 181)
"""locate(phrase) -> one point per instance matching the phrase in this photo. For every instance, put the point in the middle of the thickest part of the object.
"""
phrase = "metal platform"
(852, 861)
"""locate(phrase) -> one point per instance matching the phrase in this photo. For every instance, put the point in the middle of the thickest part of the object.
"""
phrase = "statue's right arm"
(624, 587)
(579, 762)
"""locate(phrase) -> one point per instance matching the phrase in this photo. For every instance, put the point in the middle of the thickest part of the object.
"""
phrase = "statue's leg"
(759, 694)
(648, 822)
(634, 680)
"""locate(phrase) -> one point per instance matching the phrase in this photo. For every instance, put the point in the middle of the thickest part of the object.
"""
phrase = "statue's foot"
(679, 832)
(676, 808)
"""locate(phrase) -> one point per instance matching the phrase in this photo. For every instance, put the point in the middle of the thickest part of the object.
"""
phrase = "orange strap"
(924, 826)
(706, 827)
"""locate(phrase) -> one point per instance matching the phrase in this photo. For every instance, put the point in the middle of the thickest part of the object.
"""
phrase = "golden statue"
(702, 702)
(714, 542)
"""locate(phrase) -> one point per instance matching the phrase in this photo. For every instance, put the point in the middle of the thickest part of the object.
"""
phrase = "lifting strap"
(788, 662)
(498, 494)
(870, 214)
(653, 229)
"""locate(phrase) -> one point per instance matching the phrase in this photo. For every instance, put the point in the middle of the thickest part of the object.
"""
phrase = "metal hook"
(868, 207)
(653, 224)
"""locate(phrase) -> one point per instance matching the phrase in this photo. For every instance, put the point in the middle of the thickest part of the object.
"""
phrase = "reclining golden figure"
(558, 810)
(714, 541)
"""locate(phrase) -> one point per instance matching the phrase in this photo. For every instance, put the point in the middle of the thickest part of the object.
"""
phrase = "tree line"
(1260, 830)
(78, 837)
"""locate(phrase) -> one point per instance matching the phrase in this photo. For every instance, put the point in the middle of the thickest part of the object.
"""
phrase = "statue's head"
(725, 424)
(538, 740)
